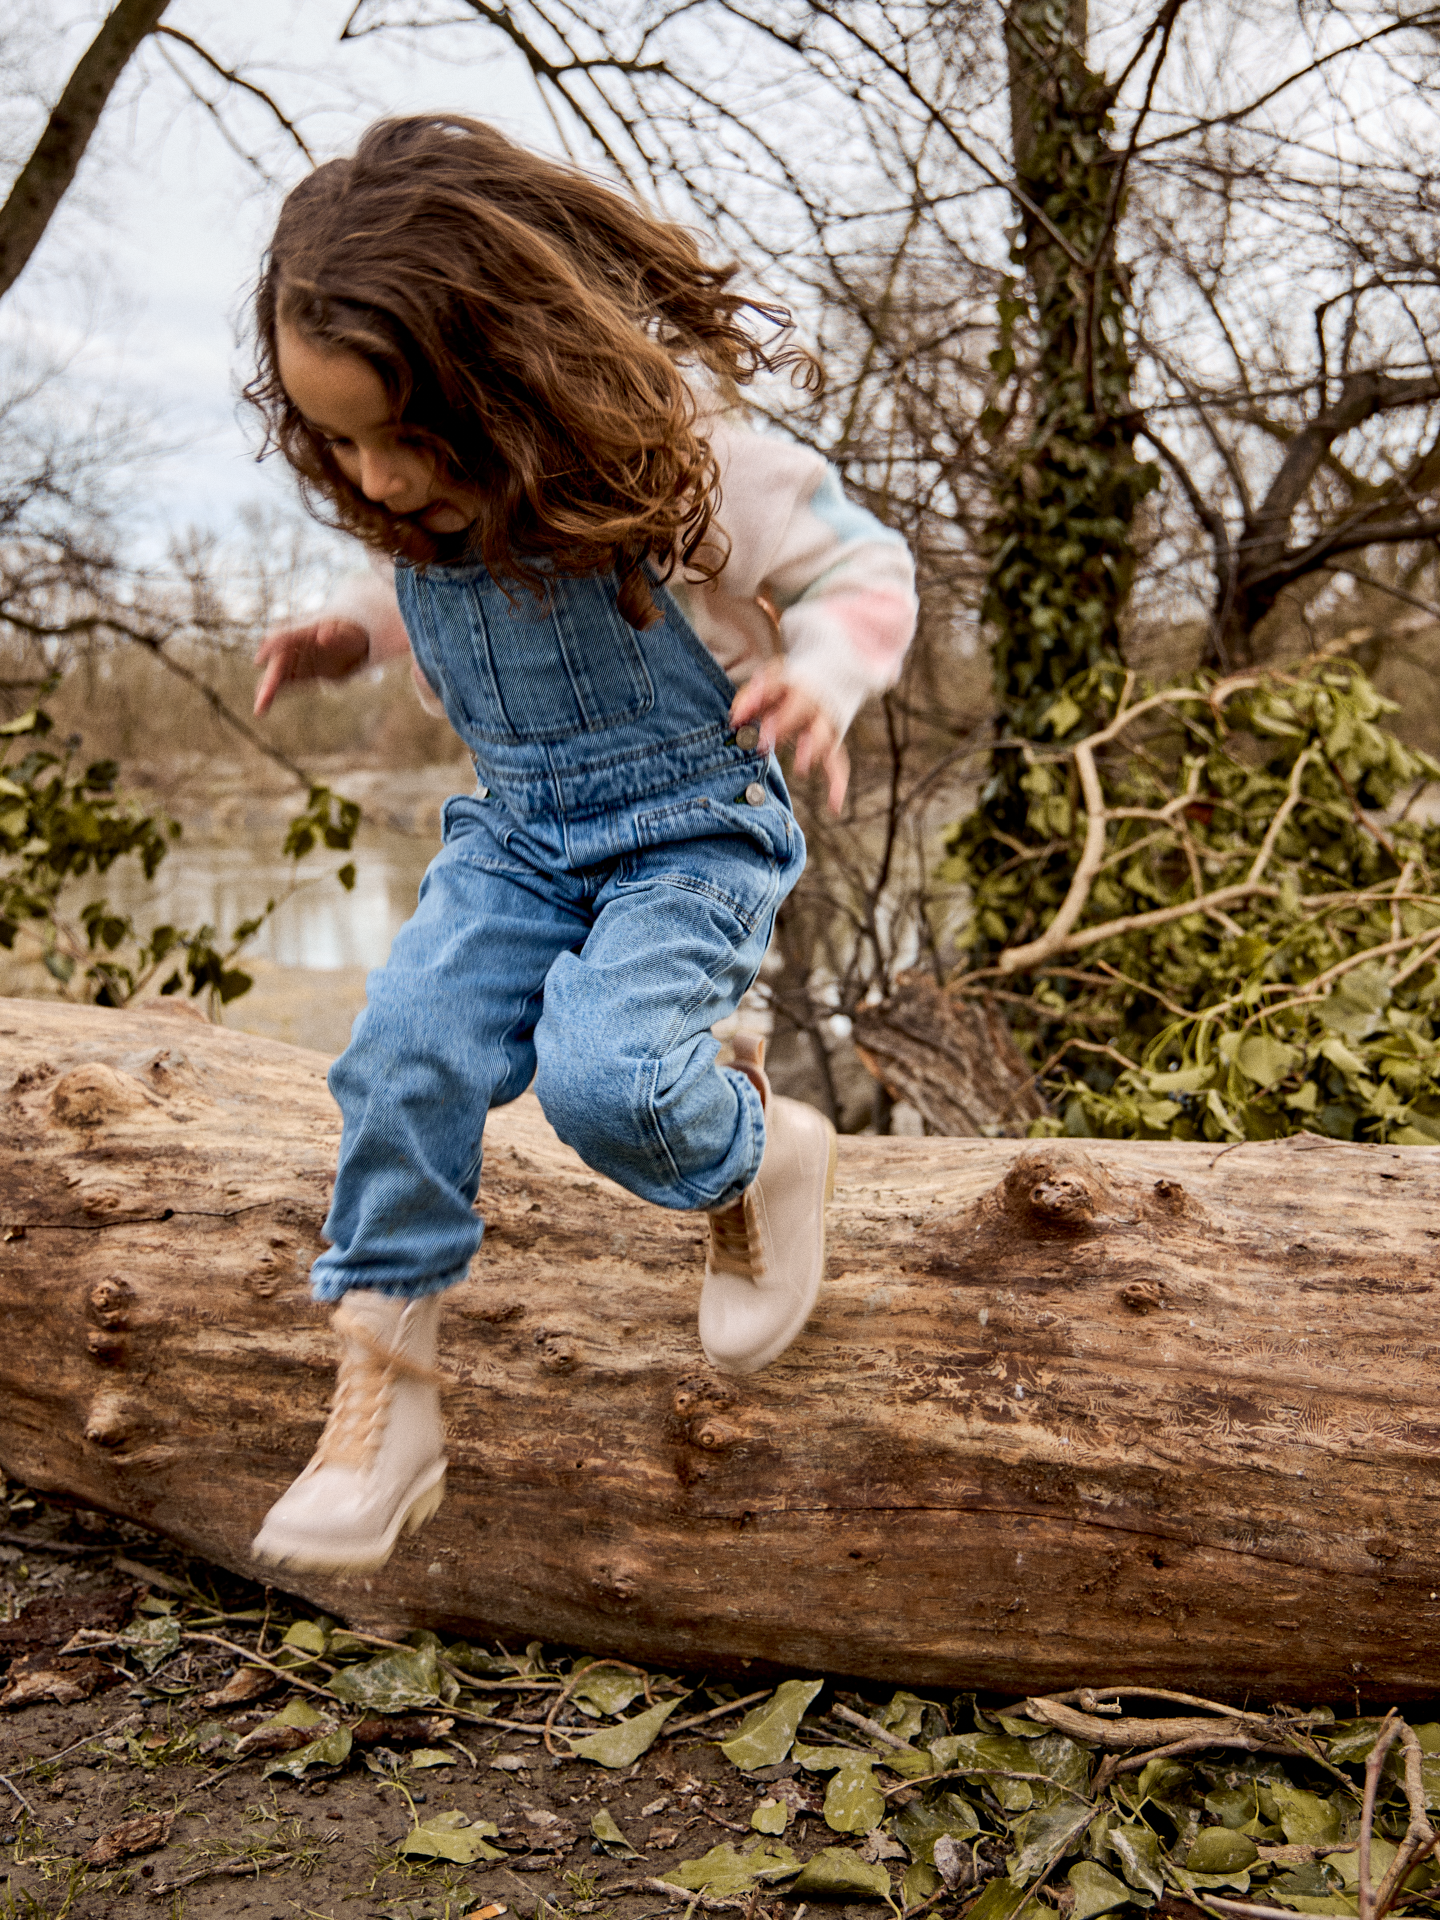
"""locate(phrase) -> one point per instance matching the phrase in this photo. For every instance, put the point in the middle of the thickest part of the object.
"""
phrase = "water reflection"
(320, 926)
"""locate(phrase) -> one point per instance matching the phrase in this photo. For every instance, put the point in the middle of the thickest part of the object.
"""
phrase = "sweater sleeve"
(842, 581)
(367, 597)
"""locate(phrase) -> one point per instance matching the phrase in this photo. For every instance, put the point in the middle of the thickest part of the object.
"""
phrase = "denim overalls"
(604, 897)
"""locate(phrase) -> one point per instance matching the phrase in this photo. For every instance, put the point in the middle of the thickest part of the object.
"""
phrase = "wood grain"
(1066, 1414)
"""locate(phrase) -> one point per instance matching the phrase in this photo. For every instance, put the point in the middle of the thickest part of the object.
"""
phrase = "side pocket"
(723, 853)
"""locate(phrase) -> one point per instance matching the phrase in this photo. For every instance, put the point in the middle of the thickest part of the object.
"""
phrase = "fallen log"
(1112, 1412)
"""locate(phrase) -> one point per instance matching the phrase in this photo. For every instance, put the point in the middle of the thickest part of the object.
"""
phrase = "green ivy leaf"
(622, 1745)
(767, 1732)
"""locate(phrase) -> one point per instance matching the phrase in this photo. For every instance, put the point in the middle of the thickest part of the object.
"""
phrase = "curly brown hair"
(530, 326)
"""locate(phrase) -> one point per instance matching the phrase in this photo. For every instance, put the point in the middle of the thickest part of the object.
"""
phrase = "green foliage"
(1306, 995)
(60, 823)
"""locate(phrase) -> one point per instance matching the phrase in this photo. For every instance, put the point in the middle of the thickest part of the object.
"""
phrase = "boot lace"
(735, 1243)
(364, 1389)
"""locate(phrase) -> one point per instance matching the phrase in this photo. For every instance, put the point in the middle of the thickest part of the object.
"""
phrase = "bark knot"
(1054, 1190)
(92, 1094)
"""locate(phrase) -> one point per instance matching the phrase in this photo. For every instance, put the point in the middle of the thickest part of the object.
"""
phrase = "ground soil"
(239, 1844)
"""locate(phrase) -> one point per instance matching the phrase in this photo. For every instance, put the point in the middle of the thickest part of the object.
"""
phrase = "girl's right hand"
(321, 649)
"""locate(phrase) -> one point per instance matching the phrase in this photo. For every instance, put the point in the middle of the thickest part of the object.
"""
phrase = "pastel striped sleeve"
(841, 581)
(845, 587)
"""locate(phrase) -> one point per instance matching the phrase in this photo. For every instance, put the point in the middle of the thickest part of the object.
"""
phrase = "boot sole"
(367, 1558)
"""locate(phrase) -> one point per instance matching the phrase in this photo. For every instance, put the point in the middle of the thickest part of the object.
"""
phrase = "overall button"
(482, 793)
(747, 738)
(756, 794)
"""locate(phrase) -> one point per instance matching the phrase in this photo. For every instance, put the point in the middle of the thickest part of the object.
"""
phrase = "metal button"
(747, 738)
(755, 794)
(482, 793)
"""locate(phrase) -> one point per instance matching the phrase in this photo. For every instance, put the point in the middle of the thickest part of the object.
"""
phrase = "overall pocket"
(745, 856)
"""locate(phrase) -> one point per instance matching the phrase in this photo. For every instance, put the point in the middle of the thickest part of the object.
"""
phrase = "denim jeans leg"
(446, 1035)
(626, 1058)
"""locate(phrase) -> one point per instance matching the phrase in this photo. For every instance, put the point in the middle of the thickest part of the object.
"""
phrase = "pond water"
(316, 924)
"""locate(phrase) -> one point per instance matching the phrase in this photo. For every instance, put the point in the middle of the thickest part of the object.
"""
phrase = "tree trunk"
(45, 178)
(1066, 1414)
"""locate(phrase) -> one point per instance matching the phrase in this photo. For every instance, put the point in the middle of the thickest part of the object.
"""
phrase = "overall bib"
(601, 900)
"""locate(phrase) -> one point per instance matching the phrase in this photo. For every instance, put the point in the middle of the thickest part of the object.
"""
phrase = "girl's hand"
(323, 649)
(789, 713)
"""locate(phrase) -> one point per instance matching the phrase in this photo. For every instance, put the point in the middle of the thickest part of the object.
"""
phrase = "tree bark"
(955, 1061)
(1163, 1414)
(45, 178)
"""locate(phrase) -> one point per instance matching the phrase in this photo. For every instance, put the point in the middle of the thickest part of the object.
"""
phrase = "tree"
(45, 178)
(1219, 257)
(1070, 1430)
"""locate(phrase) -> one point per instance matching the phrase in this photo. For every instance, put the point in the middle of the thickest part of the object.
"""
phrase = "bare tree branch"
(233, 79)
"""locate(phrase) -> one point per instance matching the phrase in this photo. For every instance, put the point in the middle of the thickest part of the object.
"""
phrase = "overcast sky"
(140, 283)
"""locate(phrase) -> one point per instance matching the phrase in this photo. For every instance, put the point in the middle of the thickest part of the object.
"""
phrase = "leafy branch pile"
(59, 823)
(1219, 920)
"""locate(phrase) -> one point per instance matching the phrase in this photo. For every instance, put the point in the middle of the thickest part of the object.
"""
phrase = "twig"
(711, 1903)
(1420, 1838)
(103, 1733)
(234, 79)
(715, 1713)
(873, 1727)
(6, 1781)
(166, 1582)
(231, 1869)
(287, 1674)
(1243, 1908)
(1053, 940)
(1282, 814)
(1100, 1699)
(33, 1545)
(1113, 1766)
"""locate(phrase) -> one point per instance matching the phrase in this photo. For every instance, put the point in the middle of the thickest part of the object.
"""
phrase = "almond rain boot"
(767, 1249)
(380, 1464)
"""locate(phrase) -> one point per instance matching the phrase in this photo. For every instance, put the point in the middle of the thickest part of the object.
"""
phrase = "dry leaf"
(42, 1677)
(144, 1835)
(246, 1683)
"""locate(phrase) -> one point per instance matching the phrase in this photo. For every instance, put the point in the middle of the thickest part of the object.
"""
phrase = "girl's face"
(343, 399)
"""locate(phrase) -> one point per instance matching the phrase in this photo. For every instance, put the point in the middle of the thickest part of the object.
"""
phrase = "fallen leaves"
(623, 1744)
(767, 1733)
(393, 1682)
(143, 1835)
(246, 1683)
(40, 1676)
(1053, 1806)
(452, 1836)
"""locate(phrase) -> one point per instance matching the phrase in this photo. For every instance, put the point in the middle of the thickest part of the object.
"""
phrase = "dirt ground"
(220, 1839)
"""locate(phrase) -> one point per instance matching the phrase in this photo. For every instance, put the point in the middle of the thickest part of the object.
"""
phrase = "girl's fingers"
(277, 672)
(789, 713)
(319, 650)
(790, 717)
(837, 767)
(761, 692)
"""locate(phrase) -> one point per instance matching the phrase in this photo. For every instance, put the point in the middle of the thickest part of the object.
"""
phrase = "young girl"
(502, 375)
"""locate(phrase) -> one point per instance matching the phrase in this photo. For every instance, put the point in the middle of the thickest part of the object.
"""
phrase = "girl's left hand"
(783, 713)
